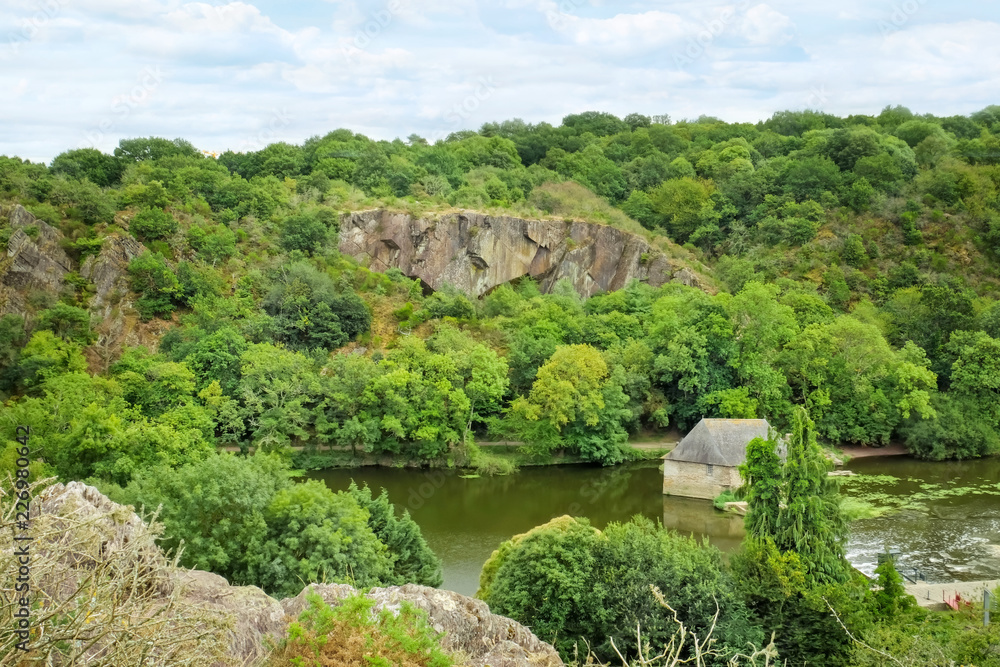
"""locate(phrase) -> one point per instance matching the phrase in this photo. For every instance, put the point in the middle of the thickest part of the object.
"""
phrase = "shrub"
(353, 635)
(303, 232)
(151, 224)
(568, 582)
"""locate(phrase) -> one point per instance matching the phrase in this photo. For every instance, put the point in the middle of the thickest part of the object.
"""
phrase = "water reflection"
(691, 516)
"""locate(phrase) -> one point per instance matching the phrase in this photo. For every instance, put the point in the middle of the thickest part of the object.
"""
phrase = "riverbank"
(936, 596)
(495, 457)
(859, 452)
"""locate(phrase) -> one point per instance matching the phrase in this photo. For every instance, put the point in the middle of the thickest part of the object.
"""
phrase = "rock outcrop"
(108, 271)
(81, 534)
(470, 630)
(35, 261)
(477, 252)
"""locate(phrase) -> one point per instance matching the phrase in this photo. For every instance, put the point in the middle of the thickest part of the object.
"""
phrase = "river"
(950, 531)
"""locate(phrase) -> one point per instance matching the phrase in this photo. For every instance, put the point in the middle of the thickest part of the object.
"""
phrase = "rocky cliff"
(84, 541)
(477, 252)
(35, 260)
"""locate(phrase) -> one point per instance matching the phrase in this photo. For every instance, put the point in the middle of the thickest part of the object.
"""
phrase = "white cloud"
(763, 26)
(627, 32)
(228, 69)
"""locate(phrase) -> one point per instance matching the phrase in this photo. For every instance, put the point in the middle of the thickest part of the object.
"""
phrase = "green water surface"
(945, 517)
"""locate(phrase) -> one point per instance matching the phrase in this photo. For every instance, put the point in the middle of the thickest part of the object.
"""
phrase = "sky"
(241, 75)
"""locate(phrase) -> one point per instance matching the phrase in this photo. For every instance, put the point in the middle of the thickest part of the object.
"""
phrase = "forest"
(851, 298)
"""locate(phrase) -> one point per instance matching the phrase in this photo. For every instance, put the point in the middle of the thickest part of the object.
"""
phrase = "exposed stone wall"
(477, 252)
(698, 480)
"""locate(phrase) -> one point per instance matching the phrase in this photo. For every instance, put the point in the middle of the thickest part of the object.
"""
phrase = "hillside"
(700, 268)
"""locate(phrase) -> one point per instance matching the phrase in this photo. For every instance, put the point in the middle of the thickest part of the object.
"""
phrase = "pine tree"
(891, 596)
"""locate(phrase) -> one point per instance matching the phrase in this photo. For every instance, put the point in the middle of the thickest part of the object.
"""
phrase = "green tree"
(684, 205)
(316, 536)
(213, 244)
(762, 483)
(215, 507)
(341, 416)
(100, 169)
(811, 523)
(891, 597)
(419, 401)
(574, 402)
(783, 600)
(152, 279)
(413, 562)
(544, 579)
(305, 232)
(568, 582)
(854, 251)
(45, 356)
(308, 311)
(151, 224)
(68, 322)
(278, 390)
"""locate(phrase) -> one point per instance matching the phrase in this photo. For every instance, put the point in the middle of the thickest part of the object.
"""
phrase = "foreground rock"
(82, 536)
(477, 252)
(483, 639)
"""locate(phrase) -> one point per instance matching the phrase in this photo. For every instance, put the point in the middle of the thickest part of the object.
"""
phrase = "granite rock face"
(108, 271)
(33, 262)
(477, 252)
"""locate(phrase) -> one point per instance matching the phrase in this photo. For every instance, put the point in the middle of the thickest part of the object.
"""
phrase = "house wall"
(698, 480)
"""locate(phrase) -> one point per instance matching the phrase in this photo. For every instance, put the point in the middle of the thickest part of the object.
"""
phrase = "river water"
(950, 529)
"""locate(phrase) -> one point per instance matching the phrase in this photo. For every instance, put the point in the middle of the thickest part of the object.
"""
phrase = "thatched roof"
(721, 442)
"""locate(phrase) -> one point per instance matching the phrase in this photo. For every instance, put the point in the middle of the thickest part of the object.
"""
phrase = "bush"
(305, 232)
(309, 311)
(569, 582)
(68, 322)
(152, 279)
(151, 224)
(353, 635)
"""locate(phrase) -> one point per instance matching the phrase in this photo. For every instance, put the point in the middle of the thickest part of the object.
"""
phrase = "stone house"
(706, 461)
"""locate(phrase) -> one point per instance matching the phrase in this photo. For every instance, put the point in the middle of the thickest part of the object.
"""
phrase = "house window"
(708, 470)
